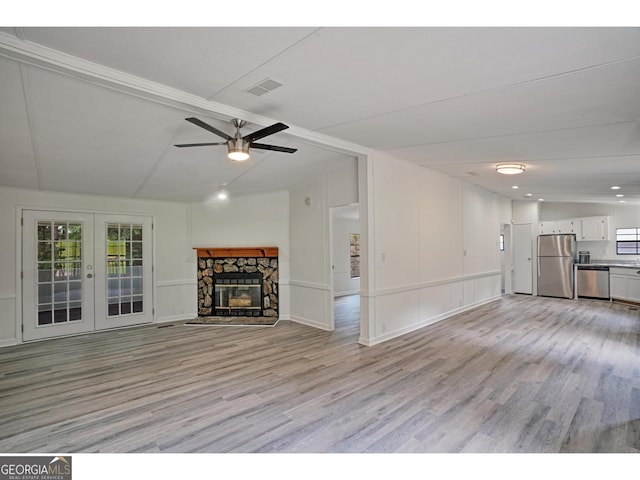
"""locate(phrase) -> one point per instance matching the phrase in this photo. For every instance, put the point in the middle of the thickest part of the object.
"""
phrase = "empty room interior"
(320, 240)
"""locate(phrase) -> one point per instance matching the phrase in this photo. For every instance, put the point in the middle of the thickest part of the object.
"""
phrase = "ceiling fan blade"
(199, 144)
(275, 128)
(206, 126)
(275, 148)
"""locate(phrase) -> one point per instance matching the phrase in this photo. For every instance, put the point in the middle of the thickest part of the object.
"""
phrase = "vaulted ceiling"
(99, 110)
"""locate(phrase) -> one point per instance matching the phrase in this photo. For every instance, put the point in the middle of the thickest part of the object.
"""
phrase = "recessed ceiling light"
(615, 187)
(541, 199)
(222, 193)
(529, 195)
(620, 195)
(622, 201)
(515, 187)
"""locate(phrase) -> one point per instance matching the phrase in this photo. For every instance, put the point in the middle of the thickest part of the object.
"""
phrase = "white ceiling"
(98, 110)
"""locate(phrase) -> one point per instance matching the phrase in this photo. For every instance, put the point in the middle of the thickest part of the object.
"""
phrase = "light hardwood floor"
(522, 374)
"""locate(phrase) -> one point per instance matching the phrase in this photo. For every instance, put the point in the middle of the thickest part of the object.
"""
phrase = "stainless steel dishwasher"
(593, 281)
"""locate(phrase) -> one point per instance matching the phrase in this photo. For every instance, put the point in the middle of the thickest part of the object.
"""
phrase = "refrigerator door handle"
(538, 256)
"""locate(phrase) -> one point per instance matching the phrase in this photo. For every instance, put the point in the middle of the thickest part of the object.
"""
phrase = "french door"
(84, 272)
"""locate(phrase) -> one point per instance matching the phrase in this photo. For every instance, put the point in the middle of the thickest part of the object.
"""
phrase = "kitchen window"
(628, 241)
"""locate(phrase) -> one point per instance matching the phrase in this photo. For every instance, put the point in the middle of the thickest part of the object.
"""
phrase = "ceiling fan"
(238, 146)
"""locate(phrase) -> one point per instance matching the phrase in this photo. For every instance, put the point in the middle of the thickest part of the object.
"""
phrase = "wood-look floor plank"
(522, 374)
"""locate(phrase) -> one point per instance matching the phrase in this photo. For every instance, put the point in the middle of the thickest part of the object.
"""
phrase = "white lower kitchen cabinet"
(617, 286)
(624, 284)
(633, 288)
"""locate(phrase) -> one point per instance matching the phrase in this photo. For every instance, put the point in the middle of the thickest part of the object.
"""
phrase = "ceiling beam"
(43, 57)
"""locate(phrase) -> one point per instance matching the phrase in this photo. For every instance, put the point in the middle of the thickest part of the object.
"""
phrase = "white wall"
(8, 286)
(623, 217)
(174, 293)
(560, 211)
(434, 243)
(246, 221)
(311, 301)
(525, 211)
(343, 183)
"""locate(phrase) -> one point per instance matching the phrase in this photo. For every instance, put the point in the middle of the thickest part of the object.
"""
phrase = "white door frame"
(18, 257)
(507, 255)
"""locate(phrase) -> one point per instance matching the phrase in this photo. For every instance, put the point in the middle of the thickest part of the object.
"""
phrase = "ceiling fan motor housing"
(238, 148)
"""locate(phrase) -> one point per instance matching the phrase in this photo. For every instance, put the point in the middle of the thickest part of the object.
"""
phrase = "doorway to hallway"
(345, 265)
(347, 314)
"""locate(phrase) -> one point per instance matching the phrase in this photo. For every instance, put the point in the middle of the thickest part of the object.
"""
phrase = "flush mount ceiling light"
(509, 168)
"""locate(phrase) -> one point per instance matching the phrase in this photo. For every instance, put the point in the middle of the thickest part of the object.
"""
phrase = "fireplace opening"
(237, 294)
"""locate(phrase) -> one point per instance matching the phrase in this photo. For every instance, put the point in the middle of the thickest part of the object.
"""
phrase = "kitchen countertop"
(612, 263)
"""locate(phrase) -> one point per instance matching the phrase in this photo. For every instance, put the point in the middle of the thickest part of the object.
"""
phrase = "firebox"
(237, 294)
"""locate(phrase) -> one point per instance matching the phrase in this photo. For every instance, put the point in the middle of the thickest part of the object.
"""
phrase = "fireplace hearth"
(241, 282)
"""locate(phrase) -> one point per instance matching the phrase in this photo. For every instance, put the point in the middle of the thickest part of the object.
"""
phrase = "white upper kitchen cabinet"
(546, 228)
(561, 226)
(594, 228)
(570, 226)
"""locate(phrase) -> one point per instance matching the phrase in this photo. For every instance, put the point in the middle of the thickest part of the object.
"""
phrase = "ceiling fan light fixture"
(238, 154)
(238, 148)
(509, 168)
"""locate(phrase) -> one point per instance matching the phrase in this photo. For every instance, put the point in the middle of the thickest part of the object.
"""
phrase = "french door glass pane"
(124, 269)
(59, 272)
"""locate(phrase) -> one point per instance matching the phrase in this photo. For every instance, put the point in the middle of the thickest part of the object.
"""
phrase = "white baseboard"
(426, 322)
(344, 294)
(8, 342)
(309, 322)
(176, 318)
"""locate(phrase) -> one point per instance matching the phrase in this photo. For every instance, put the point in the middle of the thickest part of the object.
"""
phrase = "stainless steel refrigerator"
(556, 255)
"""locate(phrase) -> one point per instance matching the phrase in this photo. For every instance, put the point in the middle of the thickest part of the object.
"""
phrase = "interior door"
(522, 255)
(57, 274)
(123, 270)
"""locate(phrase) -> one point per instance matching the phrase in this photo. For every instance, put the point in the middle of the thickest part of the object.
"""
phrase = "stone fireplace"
(240, 282)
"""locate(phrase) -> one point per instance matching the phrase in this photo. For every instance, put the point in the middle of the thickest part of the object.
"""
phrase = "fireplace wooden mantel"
(237, 252)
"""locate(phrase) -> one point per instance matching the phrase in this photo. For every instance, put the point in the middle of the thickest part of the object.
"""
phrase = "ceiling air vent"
(263, 87)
